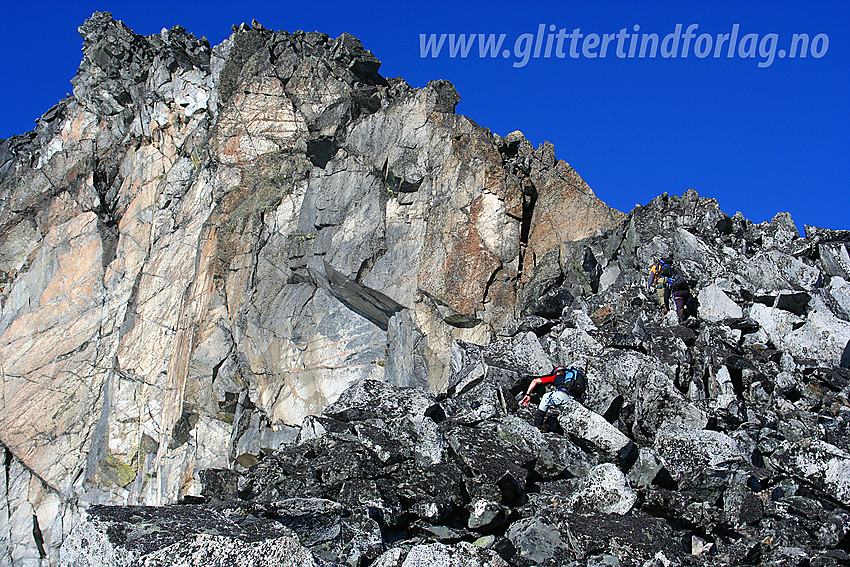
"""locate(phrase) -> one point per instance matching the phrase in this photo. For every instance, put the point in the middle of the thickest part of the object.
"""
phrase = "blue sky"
(759, 135)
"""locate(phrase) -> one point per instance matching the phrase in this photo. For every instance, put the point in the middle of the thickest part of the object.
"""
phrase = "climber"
(667, 283)
(677, 287)
(568, 381)
(663, 268)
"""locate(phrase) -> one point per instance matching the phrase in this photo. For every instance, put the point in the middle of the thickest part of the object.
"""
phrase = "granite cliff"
(302, 300)
(203, 245)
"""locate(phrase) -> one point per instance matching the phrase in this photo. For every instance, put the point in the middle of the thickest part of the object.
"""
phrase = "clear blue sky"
(759, 139)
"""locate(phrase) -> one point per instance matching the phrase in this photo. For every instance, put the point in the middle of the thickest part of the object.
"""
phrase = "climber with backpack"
(567, 381)
(669, 284)
(678, 288)
(662, 269)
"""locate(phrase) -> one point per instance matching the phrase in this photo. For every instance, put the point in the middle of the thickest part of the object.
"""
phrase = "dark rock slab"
(147, 535)
(372, 399)
(556, 536)
(496, 470)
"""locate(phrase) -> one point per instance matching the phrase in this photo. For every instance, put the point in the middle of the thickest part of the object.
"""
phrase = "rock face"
(303, 301)
(204, 245)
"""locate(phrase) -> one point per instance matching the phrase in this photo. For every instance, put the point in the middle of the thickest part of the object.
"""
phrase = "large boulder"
(575, 344)
(111, 536)
(590, 427)
(774, 269)
(819, 336)
(824, 337)
(498, 469)
(836, 296)
(835, 257)
(554, 455)
(687, 451)
(777, 323)
(638, 391)
(522, 354)
(559, 536)
(373, 399)
(606, 490)
(462, 554)
(489, 397)
(536, 541)
(715, 305)
(825, 466)
(203, 549)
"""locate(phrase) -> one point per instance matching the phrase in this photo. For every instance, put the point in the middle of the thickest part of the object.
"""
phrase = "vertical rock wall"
(203, 245)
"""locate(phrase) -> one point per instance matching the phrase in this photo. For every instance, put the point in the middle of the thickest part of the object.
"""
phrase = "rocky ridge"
(198, 305)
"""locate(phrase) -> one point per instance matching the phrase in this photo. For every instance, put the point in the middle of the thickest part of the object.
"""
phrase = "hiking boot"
(539, 416)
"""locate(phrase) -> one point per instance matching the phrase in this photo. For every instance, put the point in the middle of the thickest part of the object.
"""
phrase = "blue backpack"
(573, 382)
(664, 269)
(677, 283)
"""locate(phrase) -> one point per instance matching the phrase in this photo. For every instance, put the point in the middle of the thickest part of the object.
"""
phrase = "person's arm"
(651, 279)
(666, 298)
(527, 398)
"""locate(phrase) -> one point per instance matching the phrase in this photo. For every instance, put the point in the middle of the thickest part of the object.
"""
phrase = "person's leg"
(540, 413)
(659, 294)
(545, 402)
(691, 306)
(682, 304)
(557, 399)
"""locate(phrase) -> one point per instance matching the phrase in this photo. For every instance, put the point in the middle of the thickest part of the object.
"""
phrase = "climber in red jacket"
(567, 381)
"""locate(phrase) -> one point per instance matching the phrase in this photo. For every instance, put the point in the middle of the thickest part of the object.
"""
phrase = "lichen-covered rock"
(533, 323)
(372, 399)
(774, 269)
(557, 456)
(822, 464)
(606, 490)
(824, 337)
(497, 469)
(534, 540)
(203, 549)
(777, 323)
(687, 451)
(461, 554)
(645, 469)
(591, 427)
(559, 536)
(488, 398)
(144, 535)
(574, 344)
(522, 354)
